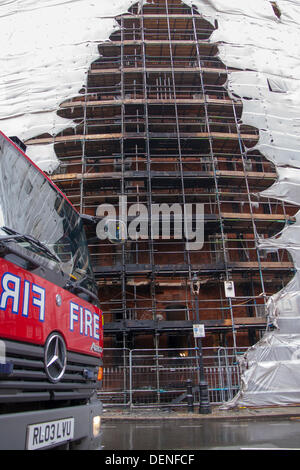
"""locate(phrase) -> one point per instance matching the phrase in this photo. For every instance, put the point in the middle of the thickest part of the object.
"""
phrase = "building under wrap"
(135, 105)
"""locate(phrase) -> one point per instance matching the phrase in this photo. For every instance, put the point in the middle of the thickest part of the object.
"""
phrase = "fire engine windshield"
(31, 206)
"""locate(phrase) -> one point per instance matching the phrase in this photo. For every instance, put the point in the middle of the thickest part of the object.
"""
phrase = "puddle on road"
(188, 435)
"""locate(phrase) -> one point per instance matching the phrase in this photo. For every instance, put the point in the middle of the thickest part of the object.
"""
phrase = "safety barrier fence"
(149, 378)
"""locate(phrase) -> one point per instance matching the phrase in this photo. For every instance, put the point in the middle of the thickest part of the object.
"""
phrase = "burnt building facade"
(155, 125)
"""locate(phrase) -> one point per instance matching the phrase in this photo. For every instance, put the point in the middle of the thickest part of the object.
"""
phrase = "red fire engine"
(51, 326)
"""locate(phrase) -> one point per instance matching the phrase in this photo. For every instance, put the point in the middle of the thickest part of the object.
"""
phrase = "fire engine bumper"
(74, 427)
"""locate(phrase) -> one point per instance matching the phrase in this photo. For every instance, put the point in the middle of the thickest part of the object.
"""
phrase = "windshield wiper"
(16, 235)
(76, 285)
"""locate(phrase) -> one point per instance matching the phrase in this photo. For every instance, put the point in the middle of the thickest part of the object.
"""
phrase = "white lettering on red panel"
(11, 290)
(84, 321)
(19, 296)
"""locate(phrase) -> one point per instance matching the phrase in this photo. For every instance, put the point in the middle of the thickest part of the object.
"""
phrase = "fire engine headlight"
(96, 425)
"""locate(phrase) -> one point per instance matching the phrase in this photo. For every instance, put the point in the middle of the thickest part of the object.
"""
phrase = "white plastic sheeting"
(47, 48)
(266, 49)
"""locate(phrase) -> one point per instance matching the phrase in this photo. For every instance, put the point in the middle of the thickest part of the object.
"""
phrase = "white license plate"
(53, 432)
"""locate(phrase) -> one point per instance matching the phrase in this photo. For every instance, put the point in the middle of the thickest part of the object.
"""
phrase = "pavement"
(217, 413)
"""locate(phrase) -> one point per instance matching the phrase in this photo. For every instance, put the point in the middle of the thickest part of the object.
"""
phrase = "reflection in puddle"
(190, 435)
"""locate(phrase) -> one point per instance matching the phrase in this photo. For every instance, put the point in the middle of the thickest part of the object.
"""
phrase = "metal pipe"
(204, 405)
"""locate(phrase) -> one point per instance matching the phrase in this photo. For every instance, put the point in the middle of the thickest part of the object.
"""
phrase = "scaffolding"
(154, 125)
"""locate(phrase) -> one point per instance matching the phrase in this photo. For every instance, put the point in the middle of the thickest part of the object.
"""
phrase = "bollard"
(190, 396)
(204, 398)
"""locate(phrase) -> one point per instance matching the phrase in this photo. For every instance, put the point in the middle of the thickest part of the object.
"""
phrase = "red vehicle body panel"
(29, 312)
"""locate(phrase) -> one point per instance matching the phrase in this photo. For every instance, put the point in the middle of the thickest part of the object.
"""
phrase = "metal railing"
(151, 378)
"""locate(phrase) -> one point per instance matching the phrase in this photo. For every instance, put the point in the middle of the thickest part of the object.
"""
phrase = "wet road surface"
(205, 435)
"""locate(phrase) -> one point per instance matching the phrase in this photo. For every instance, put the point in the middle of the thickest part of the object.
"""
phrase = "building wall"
(160, 127)
(214, 122)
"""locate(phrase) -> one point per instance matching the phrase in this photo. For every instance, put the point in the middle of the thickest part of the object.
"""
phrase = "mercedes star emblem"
(55, 357)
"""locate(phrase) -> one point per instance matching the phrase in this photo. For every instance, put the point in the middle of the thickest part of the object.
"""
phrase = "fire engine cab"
(51, 325)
